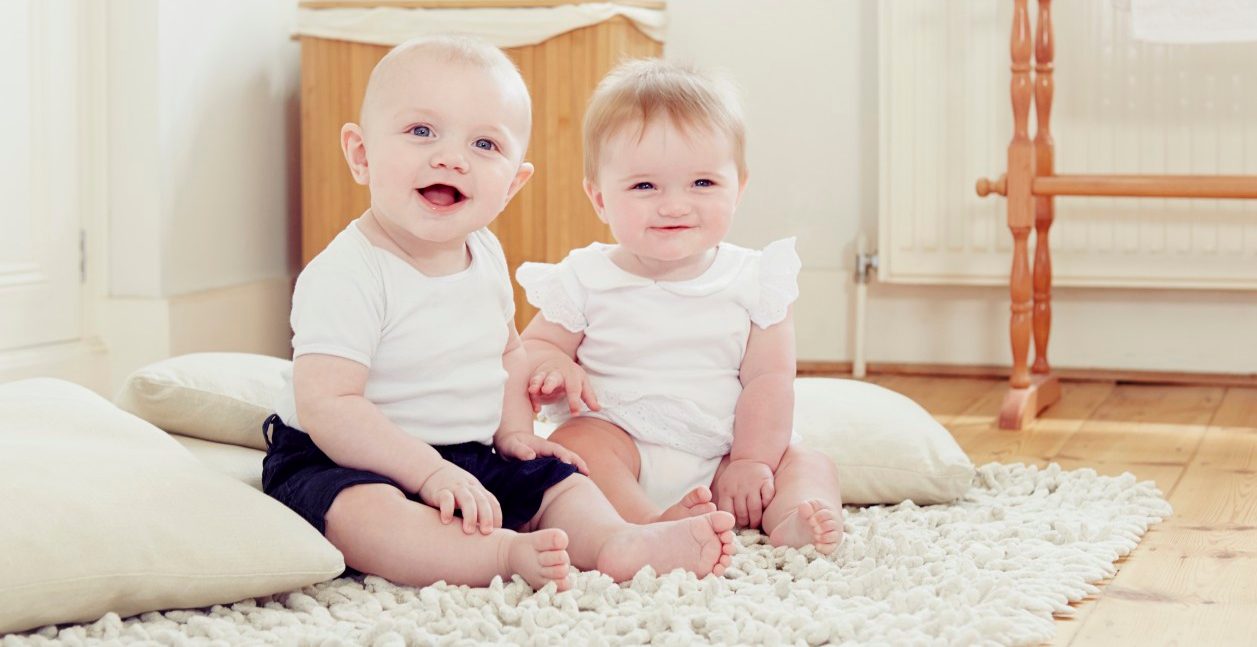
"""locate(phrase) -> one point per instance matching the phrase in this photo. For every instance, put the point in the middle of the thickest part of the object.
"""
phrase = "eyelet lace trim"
(545, 291)
(779, 267)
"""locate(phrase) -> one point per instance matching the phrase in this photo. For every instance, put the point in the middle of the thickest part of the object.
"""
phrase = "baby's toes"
(554, 558)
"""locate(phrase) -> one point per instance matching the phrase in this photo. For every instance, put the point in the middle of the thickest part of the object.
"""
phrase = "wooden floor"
(1193, 578)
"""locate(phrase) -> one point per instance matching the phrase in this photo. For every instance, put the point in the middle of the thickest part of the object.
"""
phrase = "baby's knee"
(361, 500)
(568, 436)
(588, 433)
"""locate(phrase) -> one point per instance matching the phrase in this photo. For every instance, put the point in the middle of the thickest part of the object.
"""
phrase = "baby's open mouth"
(442, 195)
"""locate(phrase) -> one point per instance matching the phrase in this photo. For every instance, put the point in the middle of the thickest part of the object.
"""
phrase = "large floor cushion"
(102, 511)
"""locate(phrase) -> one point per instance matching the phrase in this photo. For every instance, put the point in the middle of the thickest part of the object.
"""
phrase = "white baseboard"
(82, 362)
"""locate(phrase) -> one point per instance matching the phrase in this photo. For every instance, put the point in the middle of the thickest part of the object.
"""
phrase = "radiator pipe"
(865, 266)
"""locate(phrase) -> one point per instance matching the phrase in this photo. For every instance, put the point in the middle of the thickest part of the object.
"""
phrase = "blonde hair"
(446, 49)
(638, 91)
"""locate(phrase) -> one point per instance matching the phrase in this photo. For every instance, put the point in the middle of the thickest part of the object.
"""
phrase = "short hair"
(448, 49)
(638, 91)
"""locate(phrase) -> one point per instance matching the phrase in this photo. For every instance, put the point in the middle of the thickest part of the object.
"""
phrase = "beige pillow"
(888, 449)
(243, 464)
(223, 397)
(103, 512)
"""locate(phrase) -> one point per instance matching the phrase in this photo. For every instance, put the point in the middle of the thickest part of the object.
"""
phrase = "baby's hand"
(451, 488)
(746, 488)
(555, 377)
(525, 446)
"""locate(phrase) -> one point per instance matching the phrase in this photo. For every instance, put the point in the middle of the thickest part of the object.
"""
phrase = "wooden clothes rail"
(1031, 184)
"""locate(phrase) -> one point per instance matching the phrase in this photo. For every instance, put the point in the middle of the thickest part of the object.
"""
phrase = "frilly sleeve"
(778, 283)
(548, 290)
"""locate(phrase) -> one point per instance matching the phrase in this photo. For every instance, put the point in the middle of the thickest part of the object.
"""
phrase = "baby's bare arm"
(350, 429)
(517, 412)
(764, 416)
(544, 340)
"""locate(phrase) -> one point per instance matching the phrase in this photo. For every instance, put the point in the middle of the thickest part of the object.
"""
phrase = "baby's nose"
(674, 208)
(450, 159)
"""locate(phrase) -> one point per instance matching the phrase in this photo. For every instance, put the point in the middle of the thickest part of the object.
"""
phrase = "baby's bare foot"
(701, 545)
(540, 558)
(696, 503)
(813, 522)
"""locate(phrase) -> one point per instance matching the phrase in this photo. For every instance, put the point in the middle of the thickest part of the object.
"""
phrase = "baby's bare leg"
(807, 506)
(383, 533)
(615, 464)
(601, 539)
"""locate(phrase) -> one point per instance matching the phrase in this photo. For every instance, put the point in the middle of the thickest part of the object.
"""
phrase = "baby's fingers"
(485, 505)
(496, 508)
(579, 463)
(754, 509)
(553, 381)
(445, 501)
(521, 451)
(534, 382)
(574, 388)
(739, 511)
(567, 456)
(467, 503)
(587, 393)
(766, 492)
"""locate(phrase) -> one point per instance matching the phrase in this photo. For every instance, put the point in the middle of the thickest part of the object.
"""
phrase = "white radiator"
(1120, 106)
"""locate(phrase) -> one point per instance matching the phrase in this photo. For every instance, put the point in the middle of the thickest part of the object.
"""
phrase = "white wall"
(228, 120)
(808, 69)
(202, 178)
(203, 164)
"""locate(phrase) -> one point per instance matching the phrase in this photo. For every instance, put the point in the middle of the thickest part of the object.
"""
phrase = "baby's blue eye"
(421, 131)
(485, 144)
(704, 183)
(642, 186)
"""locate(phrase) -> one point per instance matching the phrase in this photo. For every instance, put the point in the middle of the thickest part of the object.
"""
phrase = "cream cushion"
(221, 397)
(103, 512)
(887, 448)
(243, 464)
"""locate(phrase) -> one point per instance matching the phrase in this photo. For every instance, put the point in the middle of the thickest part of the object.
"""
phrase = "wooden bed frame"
(1031, 185)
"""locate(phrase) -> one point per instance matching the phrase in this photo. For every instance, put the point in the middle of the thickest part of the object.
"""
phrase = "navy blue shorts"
(298, 474)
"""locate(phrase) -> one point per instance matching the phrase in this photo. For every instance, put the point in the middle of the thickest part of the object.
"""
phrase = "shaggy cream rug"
(991, 568)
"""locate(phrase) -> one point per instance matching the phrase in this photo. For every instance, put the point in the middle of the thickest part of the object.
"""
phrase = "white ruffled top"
(664, 356)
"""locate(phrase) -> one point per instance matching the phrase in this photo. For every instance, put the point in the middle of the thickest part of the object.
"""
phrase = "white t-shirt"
(433, 344)
(664, 356)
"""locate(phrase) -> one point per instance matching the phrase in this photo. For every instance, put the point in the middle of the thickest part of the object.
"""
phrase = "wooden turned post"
(1020, 201)
(1026, 160)
(1045, 207)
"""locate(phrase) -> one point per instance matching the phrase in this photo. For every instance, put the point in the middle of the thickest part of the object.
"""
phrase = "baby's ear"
(521, 178)
(595, 198)
(354, 147)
